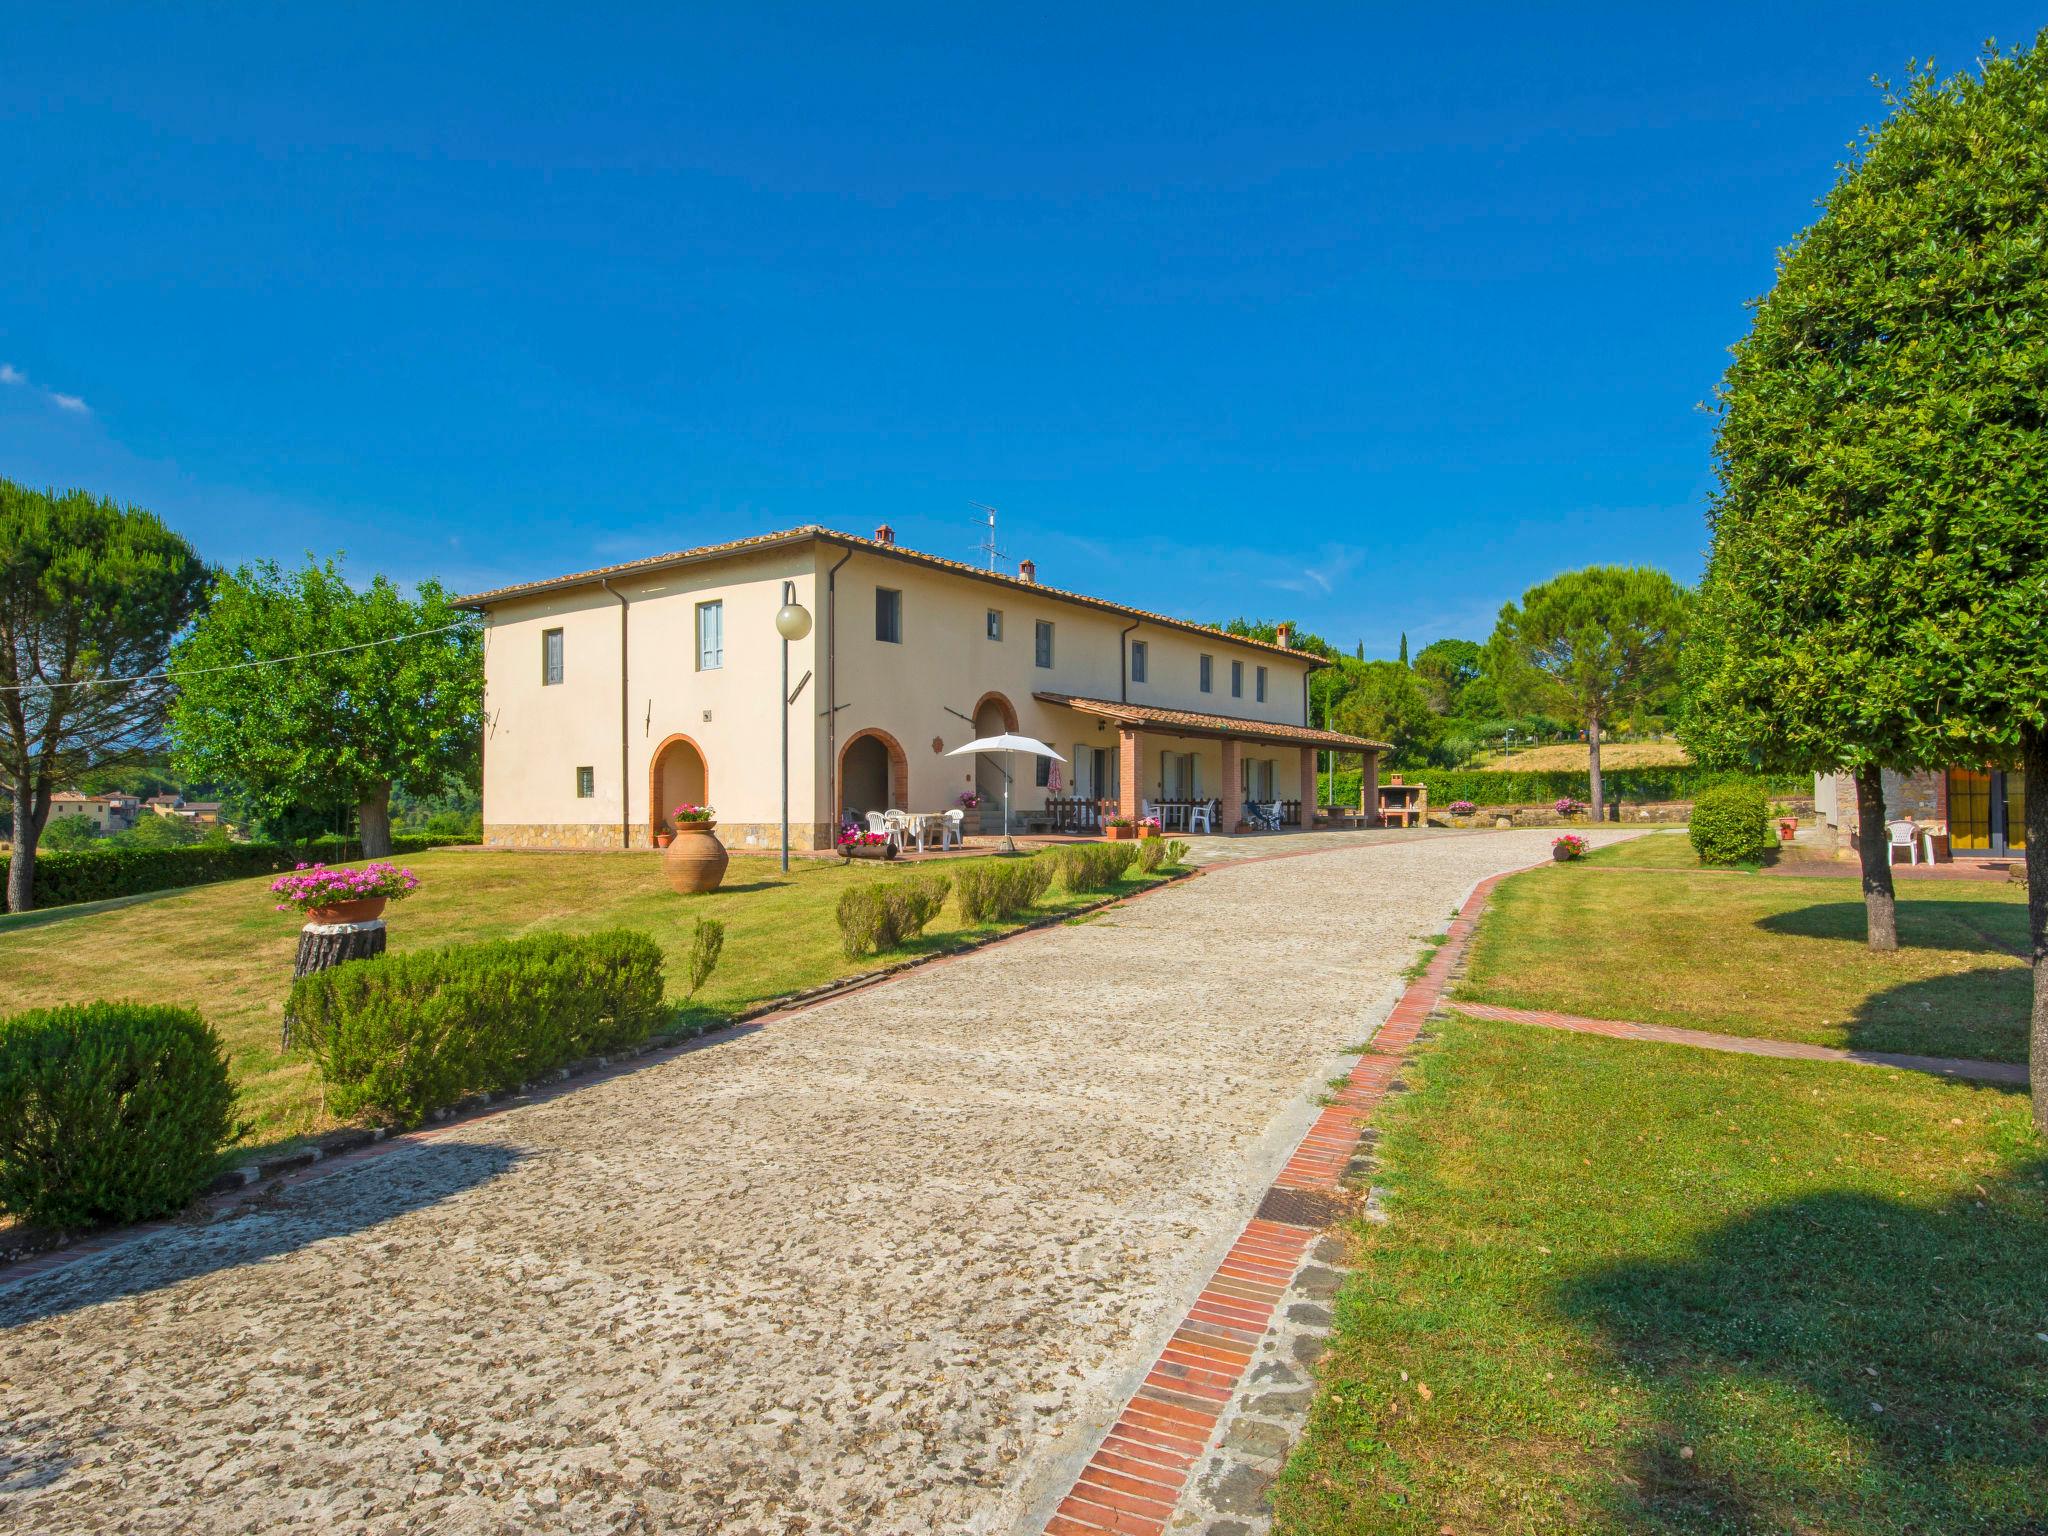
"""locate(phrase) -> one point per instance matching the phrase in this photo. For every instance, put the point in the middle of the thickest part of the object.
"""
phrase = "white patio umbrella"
(1008, 743)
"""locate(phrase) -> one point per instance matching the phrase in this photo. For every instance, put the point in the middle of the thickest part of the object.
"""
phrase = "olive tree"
(1878, 584)
(91, 596)
(1591, 645)
(310, 694)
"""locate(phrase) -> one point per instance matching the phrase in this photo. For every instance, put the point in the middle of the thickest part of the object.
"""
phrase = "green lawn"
(224, 950)
(1631, 1288)
(1766, 955)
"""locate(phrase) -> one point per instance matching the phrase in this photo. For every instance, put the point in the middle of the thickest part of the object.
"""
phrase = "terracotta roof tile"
(1217, 725)
(872, 546)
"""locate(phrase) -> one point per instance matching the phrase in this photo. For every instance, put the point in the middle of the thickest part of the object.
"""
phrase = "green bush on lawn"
(1002, 890)
(881, 914)
(99, 872)
(1084, 868)
(405, 1034)
(1731, 824)
(109, 1112)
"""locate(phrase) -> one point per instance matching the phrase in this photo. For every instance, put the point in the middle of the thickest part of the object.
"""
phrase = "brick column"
(1369, 789)
(1128, 768)
(1308, 789)
(1231, 794)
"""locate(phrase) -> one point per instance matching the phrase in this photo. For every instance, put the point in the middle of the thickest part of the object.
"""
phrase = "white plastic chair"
(1202, 818)
(1904, 834)
(1150, 812)
(949, 830)
(893, 830)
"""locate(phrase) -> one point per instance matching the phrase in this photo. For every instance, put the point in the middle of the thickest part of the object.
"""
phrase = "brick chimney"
(885, 534)
(1286, 636)
(1027, 570)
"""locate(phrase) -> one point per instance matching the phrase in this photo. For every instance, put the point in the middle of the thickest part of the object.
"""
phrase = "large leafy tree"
(1878, 586)
(91, 596)
(1591, 645)
(312, 695)
(1383, 702)
(1446, 668)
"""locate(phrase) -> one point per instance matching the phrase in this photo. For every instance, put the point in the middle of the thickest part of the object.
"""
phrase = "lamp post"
(792, 622)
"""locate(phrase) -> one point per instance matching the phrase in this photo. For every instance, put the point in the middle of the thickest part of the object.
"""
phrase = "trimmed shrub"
(109, 1112)
(707, 943)
(405, 1034)
(108, 869)
(1003, 890)
(1084, 868)
(1731, 824)
(1151, 852)
(881, 914)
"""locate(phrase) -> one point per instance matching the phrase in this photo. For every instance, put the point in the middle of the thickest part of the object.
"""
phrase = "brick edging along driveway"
(1144, 1466)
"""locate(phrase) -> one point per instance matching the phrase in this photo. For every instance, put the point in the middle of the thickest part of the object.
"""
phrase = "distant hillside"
(1572, 755)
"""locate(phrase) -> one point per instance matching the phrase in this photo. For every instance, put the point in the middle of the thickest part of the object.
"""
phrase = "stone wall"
(754, 837)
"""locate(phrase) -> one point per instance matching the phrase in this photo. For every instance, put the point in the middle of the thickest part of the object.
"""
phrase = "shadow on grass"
(42, 917)
(1837, 1362)
(279, 1221)
(1985, 927)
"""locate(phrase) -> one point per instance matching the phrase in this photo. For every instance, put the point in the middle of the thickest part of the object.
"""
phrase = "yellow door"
(1969, 809)
(2016, 812)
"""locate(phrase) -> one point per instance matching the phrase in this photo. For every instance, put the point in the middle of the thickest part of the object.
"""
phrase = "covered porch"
(1194, 771)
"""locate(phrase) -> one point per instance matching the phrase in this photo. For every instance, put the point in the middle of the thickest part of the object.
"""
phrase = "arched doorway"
(677, 776)
(992, 716)
(874, 774)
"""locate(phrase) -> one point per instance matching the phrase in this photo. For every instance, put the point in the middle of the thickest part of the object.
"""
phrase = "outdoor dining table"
(922, 824)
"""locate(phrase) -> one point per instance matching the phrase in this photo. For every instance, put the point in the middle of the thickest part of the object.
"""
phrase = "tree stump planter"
(695, 861)
(848, 852)
(325, 945)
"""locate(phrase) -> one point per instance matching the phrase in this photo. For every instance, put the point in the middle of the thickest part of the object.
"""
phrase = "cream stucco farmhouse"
(614, 695)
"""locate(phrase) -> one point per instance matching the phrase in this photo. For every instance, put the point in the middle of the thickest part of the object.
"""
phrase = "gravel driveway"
(887, 1266)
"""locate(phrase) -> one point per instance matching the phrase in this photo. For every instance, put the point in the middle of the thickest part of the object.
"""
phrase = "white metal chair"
(893, 830)
(1202, 817)
(1906, 835)
(950, 830)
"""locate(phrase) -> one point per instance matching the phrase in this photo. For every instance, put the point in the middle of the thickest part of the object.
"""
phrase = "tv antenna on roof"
(987, 546)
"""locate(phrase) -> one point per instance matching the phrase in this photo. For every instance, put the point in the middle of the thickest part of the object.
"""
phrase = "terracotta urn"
(663, 839)
(361, 910)
(695, 859)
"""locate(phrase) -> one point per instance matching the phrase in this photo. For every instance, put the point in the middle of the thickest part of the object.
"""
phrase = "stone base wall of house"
(593, 837)
(1922, 796)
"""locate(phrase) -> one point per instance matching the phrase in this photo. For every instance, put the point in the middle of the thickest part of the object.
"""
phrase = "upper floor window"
(550, 657)
(995, 623)
(1237, 679)
(1208, 674)
(1260, 685)
(586, 783)
(1044, 647)
(889, 615)
(710, 636)
(1137, 661)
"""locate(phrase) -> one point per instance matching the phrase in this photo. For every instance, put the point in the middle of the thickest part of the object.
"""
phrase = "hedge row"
(404, 1034)
(1489, 786)
(96, 874)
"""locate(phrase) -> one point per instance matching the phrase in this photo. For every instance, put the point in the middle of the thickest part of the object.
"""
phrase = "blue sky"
(1370, 320)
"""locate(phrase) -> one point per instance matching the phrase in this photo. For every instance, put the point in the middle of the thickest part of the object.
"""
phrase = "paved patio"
(888, 1265)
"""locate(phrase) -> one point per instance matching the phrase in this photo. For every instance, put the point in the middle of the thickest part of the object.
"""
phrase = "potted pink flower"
(325, 894)
(1148, 826)
(970, 802)
(1119, 829)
